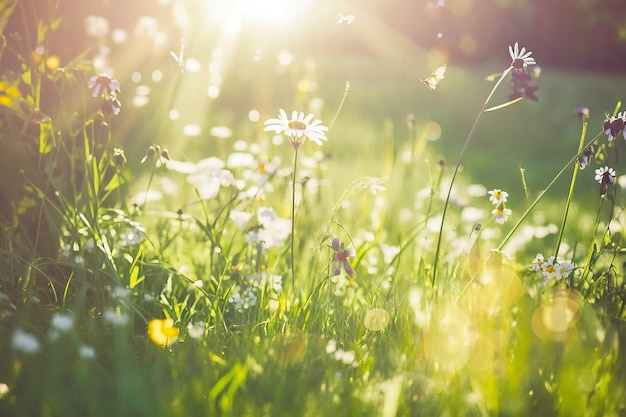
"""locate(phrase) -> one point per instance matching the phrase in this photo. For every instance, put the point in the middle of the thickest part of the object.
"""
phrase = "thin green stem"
(532, 206)
(456, 170)
(343, 100)
(157, 156)
(581, 145)
(528, 210)
(296, 145)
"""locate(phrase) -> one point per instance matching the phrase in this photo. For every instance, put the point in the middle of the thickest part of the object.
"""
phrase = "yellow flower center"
(297, 124)
(550, 269)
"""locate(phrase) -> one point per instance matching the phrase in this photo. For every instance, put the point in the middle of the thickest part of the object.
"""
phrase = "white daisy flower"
(502, 214)
(537, 262)
(298, 126)
(520, 58)
(605, 175)
(563, 269)
(498, 197)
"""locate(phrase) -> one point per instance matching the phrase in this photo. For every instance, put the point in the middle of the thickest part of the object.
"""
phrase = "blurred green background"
(262, 55)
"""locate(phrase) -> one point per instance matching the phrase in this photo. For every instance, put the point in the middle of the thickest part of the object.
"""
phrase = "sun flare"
(275, 14)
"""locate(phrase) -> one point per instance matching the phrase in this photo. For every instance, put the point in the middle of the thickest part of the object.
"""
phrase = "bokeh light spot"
(278, 140)
(4, 390)
(142, 90)
(553, 319)
(119, 36)
(192, 65)
(140, 101)
(254, 115)
(192, 130)
(467, 44)
(221, 132)
(376, 319)
(213, 91)
(285, 58)
(157, 76)
(232, 24)
(53, 62)
(288, 348)
(497, 289)
(433, 131)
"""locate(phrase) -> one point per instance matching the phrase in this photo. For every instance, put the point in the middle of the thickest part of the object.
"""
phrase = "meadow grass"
(176, 277)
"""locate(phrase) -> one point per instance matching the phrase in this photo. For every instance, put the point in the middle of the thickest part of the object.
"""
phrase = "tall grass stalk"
(456, 171)
(534, 203)
(543, 193)
(581, 147)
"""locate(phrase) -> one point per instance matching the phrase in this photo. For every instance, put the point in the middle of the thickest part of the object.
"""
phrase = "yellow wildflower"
(8, 94)
(163, 332)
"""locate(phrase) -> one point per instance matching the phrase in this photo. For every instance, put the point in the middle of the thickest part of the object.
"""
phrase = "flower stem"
(296, 145)
(343, 100)
(581, 145)
(527, 212)
(534, 203)
(456, 170)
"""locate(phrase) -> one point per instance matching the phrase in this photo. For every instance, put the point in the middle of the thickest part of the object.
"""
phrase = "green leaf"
(503, 105)
(26, 77)
(46, 143)
(115, 182)
(493, 77)
(3, 44)
(5, 13)
(134, 279)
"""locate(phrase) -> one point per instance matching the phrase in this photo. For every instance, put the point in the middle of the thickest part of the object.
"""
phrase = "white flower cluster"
(242, 298)
(498, 199)
(551, 268)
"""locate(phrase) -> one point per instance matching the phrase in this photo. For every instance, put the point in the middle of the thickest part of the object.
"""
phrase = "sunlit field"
(291, 208)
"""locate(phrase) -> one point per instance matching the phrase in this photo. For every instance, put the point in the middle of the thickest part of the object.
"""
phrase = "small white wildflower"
(24, 342)
(116, 317)
(605, 175)
(563, 270)
(277, 282)
(331, 346)
(62, 322)
(242, 299)
(120, 293)
(502, 214)
(548, 268)
(86, 352)
(538, 262)
(196, 330)
(346, 357)
(498, 197)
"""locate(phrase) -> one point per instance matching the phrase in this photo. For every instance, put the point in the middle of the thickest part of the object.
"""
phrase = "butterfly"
(433, 79)
(180, 59)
